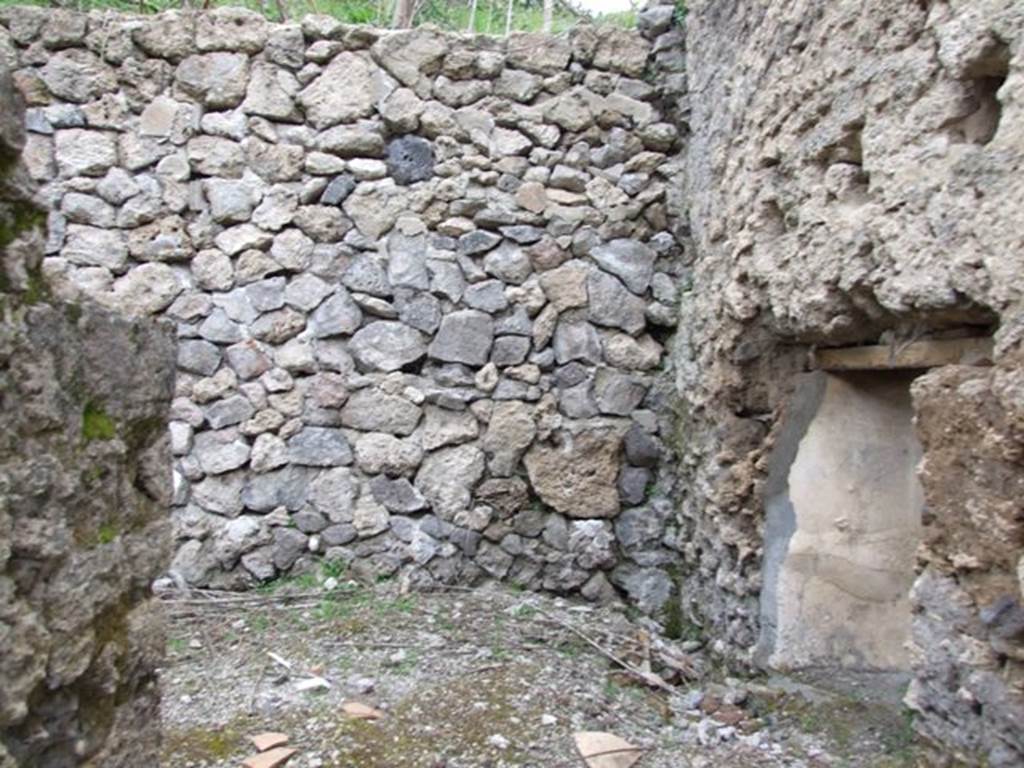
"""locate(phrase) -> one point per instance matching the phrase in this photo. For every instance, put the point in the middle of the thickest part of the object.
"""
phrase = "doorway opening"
(843, 523)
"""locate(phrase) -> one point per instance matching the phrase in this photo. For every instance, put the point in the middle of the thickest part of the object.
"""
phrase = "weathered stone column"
(84, 492)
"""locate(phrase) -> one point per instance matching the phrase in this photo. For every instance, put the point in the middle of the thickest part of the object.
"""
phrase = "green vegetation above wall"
(488, 16)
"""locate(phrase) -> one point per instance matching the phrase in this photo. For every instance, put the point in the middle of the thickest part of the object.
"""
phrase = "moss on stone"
(92, 476)
(142, 432)
(73, 312)
(675, 624)
(107, 533)
(22, 216)
(680, 423)
(37, 290)
(96, 424)
(111, 628)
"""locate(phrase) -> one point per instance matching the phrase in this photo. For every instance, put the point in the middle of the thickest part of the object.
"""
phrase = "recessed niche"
(843, 523)
(988, 76)
(981, 125)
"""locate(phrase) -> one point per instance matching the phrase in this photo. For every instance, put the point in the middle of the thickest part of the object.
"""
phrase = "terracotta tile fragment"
(269, 740)
(606, 750)
(729, 714)
(272, 759)
(359, 711)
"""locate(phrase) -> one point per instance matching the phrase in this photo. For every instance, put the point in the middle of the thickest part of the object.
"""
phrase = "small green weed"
(524, 611)
(332, 610)
(406, 604)
(304, 581)
(96, 424)
(106, 533)
(652, 490)
(37, 290)
(572, 648)
(680, 14)
(342, 604)
(408, 664)
(334, 569)
(900, 741)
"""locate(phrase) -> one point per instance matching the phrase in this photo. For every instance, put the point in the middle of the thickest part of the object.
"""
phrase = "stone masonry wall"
(856, 175)
(421, 283)
(84, 487)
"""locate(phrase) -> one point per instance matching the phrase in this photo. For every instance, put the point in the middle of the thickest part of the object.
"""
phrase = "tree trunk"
(508, 19)
(403, 14)
(549, 14)
(471, 27)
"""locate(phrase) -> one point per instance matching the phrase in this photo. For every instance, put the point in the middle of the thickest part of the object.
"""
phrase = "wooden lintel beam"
(917, 354)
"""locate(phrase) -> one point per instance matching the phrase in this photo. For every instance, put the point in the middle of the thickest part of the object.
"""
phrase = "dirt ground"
(491, 678)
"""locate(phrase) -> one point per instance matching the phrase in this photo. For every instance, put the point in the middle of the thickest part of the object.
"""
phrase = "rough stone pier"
(719, 320)
(84, 493)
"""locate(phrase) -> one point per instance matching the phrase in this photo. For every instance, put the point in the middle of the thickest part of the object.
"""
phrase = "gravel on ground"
(487, 678)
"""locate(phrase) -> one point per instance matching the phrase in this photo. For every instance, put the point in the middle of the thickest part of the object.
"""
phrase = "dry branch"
(647, 677)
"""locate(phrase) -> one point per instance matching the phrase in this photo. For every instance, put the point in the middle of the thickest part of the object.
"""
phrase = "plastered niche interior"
(844, 521)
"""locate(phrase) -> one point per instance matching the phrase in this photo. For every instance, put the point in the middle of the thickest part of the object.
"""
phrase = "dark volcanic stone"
(642, 450)
(338, 190)
(410, 159)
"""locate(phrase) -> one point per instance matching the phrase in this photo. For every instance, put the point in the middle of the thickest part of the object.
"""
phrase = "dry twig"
(647, 677)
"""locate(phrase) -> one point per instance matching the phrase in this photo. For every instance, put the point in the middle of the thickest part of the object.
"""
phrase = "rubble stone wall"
(422, 282)
(424, 286)
(84, 486)
(856, 175)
